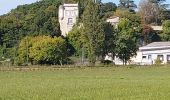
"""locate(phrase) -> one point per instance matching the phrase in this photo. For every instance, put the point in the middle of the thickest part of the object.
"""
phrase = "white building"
(68, 14)
(157, 28)
(114, 20)
(147, 55)
(153, 51)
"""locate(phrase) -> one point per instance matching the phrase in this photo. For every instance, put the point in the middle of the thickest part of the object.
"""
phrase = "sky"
(7, 5)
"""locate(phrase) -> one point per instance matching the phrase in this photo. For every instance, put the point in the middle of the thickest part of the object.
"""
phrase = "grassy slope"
(87, 84)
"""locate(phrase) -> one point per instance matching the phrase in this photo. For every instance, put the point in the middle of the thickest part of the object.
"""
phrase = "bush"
(158, 61)
(42, 50)
(107, 62)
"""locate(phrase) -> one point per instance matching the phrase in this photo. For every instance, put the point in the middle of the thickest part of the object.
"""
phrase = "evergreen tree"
(93, 31)
(129, 4)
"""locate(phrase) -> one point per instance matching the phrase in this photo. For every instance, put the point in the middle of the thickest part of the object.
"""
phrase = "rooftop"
(157, 28)
(158, 44)
(71, 5)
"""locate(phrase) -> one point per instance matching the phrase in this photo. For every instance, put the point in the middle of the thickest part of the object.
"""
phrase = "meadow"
(92, 83)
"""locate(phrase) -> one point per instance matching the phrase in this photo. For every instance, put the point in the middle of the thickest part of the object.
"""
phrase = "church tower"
(68, 14)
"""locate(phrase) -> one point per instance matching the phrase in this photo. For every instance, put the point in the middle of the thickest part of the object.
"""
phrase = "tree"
(127, 4)
(109, 42)
(146, 35)
(166, 31)
(108, 9)
(23, 51)
(42, 50)
(93, 31)
(40, 18)
(152, 11)
(75, 38)
(132, 16)
(126, 40)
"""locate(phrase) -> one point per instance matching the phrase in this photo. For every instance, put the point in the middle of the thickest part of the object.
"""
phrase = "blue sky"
(7, 5)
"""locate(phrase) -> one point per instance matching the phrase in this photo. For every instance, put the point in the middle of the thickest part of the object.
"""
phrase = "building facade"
(113, 20)
(68, 14)
(147, 55)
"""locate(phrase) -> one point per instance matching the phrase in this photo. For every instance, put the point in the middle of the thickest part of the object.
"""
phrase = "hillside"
(40, 18)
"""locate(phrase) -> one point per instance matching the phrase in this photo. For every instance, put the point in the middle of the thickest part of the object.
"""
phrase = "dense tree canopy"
(42, 50)
(153, 11)
(93, 30)
(166, 31)
(31, 33)
(126, 40)
(40, 18)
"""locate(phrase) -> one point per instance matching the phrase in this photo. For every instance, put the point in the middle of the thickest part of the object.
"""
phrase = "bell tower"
(68, 14)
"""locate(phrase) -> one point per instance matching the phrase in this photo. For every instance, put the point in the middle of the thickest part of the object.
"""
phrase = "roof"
(70, 5)
(156, 45)
(157, 28)
(113, 19)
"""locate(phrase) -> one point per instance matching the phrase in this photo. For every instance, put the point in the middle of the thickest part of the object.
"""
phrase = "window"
(149, 57)
(66, 13)
(168, 57)
(143, 57)
(70, 21)
(161, 57)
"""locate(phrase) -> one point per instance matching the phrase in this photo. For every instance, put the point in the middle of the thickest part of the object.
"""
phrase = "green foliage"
(166, 27)
(109, 42)
(23, 51)
(166, 31)
(93, 31)
(147, 33)
(154, 11)
(126, 41)
(158, 61)
(40, 18)
(127, 4)
(108, 9)
(75, 38)
(42, 50)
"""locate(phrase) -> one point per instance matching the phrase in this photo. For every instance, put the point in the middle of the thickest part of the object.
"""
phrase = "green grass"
(151, 83)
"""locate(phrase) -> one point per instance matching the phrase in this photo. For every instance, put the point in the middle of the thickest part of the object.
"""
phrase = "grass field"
(104, 83)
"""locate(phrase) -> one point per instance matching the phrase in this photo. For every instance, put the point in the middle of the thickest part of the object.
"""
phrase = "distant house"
(157, 28)
(114, 20)
(153, 51)
(147, 55)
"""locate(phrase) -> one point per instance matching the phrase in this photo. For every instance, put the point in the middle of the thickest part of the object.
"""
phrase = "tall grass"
(104, 83)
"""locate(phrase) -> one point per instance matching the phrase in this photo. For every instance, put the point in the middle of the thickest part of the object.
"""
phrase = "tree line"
(31, 33)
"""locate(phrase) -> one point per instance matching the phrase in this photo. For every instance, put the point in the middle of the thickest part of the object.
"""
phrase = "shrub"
(158, 61)
(42, 50)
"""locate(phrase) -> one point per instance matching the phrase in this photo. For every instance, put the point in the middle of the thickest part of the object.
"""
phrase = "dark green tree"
(39, 18)
(93, 31)
(109, 42)
(127, 4)
(108, 9)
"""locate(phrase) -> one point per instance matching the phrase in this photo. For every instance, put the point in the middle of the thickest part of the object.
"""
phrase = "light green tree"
(126, 41)
(75, 39)
(42, 50)
(166, 31)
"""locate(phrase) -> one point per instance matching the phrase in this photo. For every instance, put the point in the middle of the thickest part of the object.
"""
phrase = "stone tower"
(68, 14)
